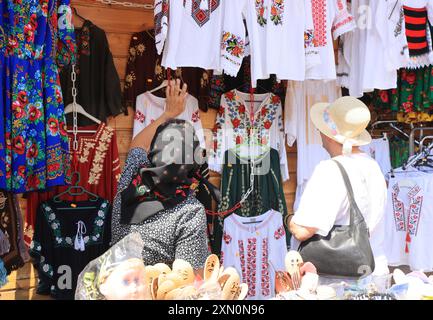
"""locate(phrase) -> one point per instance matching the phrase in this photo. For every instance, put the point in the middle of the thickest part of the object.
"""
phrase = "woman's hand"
(175, 99)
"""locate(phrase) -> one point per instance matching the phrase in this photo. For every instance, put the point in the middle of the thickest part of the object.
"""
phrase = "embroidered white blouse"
(409, 221)
(331, 20)
(150, 107)
(189, 31)
(256, 248)
(234, 129)
(280, 34)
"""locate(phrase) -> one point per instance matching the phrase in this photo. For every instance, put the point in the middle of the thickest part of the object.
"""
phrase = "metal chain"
(128, 4)
(74, 108)
(251, 188)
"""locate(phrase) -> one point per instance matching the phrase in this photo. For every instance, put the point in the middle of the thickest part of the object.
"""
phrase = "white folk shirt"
(409, 220)
(331, 20)
(324, 202)
(280, 35)
(378, 149)
(300, 97)
(370, 56)
(233, 129)
(255, 250)
(150, 107)
(190, 32)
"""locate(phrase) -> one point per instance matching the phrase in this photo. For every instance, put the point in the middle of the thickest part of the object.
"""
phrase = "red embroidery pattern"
(242, 257)
(222, 257)
(266, 288)
(139, 116)
(398, 209)
(342, 23)
(414, 215)
(201, 17)
(279, 233)
(227, 238)
(195, 117)
(319, 20)
(251, 266)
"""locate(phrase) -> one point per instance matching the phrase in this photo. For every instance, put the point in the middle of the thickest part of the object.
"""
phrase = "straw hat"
(344, 121)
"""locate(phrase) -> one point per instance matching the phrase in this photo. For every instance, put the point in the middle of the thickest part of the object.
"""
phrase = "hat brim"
(316, 115)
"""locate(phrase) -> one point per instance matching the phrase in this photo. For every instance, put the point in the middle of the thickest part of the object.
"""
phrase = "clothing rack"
(392, 125)
(412, 139)
(420, 155)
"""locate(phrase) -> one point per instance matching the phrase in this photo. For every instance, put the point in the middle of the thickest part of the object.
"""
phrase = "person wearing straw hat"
(324, 203)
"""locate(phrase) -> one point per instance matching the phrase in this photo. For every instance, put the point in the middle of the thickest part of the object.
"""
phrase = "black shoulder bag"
(345, 251)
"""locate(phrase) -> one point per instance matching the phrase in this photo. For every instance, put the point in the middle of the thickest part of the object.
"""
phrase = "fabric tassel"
(5, 245)
(204, 5)
(408, 240)
(79, 243)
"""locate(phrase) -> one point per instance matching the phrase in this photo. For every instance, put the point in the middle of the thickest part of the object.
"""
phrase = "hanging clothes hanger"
(163, 85)
(79, 191)
(79, 109)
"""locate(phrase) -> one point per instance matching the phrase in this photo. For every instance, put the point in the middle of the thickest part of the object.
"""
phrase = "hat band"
(329, 122)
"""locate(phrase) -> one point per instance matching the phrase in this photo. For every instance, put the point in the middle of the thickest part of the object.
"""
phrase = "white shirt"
(324, 202)
(190, 33)
(409, 220)
(370, 56)
(378, 149)
(255, 250)
(149, 107)
(331, 20)
(233, 125)
(280, 35)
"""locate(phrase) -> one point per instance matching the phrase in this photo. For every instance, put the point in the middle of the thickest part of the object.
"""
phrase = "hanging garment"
(98, 84)
(32, 138)
(250, 132)
(220, 84)
(144, 72)
(9, 212)
(409, 221)
(399, 150)
(300, 97)
(97, 160)
(189, 32)
(65, 241)
(378, 149)
(256, 248)
(331, 20)
(417, 15)
(280, 34)
(369, 57)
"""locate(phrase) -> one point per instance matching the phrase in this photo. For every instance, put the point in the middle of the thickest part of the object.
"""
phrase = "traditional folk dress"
(36, 37)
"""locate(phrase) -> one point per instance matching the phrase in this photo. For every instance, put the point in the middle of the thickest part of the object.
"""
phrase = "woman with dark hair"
(155, 197)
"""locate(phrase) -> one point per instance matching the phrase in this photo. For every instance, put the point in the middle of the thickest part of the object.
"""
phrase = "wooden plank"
(122, 121)
(119, 44)
(118, 19)
(124, 138)
(22, 284)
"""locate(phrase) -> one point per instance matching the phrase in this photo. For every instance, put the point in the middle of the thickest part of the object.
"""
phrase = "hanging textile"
(9, 226)
(220, 84)
(300, 97)
(379, 150)
(32, 138)
(280, 37)
(98, 84)
(256, 247)
(188, 33)
(369, 57)
(144, 72)
(408, 219)
(99, 167)
(65, 241)
(237, 137)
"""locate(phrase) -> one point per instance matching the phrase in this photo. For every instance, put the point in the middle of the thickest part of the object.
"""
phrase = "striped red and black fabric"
(416, 30)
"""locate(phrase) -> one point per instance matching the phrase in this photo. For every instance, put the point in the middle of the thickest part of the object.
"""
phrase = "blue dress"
(36, 39)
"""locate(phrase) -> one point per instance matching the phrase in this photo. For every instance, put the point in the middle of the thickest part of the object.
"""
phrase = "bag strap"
(349, 193)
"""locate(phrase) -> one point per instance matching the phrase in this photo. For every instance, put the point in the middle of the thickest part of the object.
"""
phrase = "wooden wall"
(120, 23)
